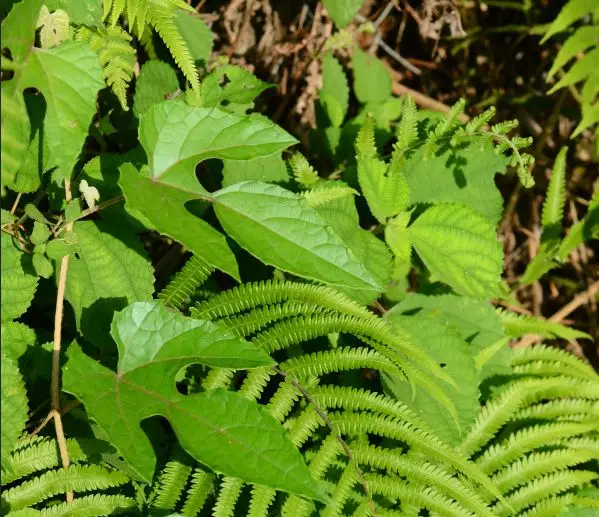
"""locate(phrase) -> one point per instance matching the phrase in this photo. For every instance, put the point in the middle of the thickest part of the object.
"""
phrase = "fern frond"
(288, 333)
(89, 506)
(117, 57)
(162, 19)
(171, 485)
(568, 361)
(499, 410)
(340, 359)
(303, 172)
(256, 319)
(528, 439)
(357, 399)
(255, 382)
(559, 409)
(182, 287)
(553, 207)
(538, 464)
(322, 196)
(202, 484)
(549, 485)
(365, 144)
(422, 441)
(418, 495)
(230, 488)
(517, 325)
(250, 295)
(262, 498)
(342, 491)
(38, 455)
(76, 478)
(424, 473)
(549, 507)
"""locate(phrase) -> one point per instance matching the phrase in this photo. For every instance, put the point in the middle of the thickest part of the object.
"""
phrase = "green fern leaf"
(77, 478)
(572, 11)
(117, 57)
(518, 325)
(181, 288)
(581, 40)
(553, 207)
(89, 506)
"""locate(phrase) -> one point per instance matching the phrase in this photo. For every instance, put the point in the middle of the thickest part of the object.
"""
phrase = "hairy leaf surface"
(14, 405)
(446, 346)
(176, 137)
(464, 176)
(18, 281)
(154, 344)
(372, 82)
(460, 248)
(107, 271)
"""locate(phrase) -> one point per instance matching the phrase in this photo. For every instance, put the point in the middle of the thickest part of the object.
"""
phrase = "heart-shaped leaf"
(154, 345)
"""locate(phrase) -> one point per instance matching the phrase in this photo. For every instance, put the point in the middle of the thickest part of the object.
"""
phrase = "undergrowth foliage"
(245, 345)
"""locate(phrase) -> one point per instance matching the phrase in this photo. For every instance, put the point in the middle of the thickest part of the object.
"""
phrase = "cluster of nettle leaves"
(436, 196)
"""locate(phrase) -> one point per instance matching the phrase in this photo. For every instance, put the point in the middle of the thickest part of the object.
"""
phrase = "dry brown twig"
(576, 302)
(55, 384)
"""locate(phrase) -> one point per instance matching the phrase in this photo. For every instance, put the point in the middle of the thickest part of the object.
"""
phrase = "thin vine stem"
(55, 383)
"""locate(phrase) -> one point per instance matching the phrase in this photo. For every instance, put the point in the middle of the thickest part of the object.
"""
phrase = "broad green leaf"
(108, 269)
(460, 248)
(69, 76)
(163, 208)
(281, 229)
(572, 11)
(372, 82)
(18, 35)
(156, 80)
(176, 137)
(196, 34)
(14, 134)
(18, 280)
(476, 322)
(453, 354)
(18, 29)
(148, 331)
(342, 216)
(463, 176)
(16, 337)
(240, 87)
(334, 95)
(81, 12)
(154, 344)
(14, 405)
(270, 169)
(581, 40)
(343, 11)
(54, 27)
(43, 267)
